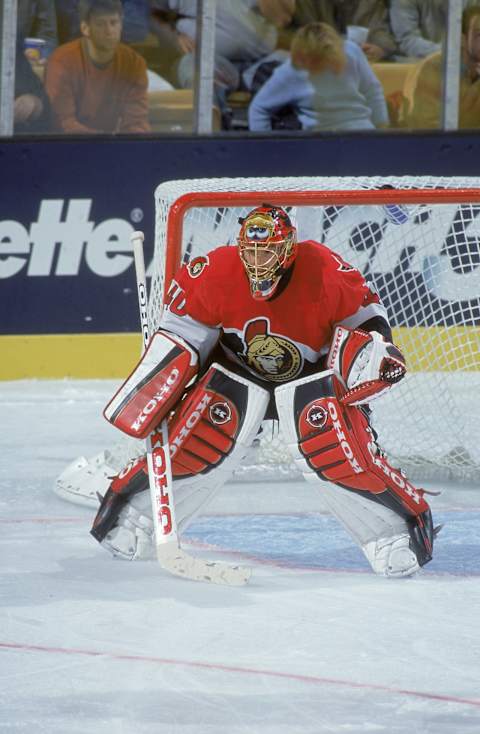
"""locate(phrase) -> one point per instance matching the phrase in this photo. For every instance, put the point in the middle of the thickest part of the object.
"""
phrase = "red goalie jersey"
(277, 339)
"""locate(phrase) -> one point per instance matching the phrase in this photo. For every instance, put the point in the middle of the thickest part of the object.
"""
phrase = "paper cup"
(357, 33)
(34, 49)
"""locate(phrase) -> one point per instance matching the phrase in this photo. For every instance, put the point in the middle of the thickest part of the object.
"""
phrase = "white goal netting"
(417, 240)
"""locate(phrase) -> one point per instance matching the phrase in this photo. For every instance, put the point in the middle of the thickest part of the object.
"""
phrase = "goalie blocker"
(333, 442)
(154, 387)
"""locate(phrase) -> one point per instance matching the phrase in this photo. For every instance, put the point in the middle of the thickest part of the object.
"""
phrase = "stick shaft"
(158, 450)
(137, 242)
(169, 554)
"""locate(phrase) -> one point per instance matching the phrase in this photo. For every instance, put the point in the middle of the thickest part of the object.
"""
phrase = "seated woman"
(327, 81)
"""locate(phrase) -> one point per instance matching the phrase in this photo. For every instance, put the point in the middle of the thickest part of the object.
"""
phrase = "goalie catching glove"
(154, 387)
(367, 364)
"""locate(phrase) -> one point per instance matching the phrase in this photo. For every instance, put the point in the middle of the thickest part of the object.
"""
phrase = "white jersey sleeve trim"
(363, 314)
(199, 336)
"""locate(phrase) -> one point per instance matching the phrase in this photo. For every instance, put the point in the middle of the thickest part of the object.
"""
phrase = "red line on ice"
(40, 520)
(234, 669)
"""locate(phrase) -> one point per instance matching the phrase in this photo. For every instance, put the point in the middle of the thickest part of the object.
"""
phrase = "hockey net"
(417, 241)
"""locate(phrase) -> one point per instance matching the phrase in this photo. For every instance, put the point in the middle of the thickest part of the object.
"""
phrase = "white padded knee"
(382, 534)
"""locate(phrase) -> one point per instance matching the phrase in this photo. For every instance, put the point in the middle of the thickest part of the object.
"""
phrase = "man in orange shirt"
(95, 83)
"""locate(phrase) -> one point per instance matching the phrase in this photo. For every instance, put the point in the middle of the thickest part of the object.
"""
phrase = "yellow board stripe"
(55, 356)
(439, 348)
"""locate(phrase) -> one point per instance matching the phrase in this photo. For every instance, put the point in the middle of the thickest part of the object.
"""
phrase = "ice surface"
(315, 643)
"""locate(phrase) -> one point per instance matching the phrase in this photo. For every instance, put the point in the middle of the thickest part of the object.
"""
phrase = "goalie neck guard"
(267, 245)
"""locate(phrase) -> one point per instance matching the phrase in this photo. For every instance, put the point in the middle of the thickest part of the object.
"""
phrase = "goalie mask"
(267, 245)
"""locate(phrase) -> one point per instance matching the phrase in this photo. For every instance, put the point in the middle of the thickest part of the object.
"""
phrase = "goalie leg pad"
(220, 428)
(334, 442)
(211, 420)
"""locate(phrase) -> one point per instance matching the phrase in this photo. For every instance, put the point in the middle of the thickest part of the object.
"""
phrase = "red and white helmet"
(267, 245)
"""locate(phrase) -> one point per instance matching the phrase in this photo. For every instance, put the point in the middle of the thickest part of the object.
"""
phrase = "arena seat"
(396, 80)
(392, 75)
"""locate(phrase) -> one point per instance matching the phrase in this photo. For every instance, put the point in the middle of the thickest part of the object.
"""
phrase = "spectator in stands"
(31, 107)
(37, 19)
(135, 27)
(135, 30)
(243, 36)
(427, 93)
(95, 83)
(328, 82)
(419, 25)
(372, 14)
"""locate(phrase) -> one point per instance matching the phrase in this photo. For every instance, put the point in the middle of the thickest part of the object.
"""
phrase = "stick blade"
(177, 562)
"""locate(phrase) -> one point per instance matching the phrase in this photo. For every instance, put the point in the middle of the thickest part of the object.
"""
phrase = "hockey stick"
(169, 554)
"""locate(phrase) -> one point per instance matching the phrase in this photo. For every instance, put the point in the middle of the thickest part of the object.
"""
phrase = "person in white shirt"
(327, 81)
(246, 33)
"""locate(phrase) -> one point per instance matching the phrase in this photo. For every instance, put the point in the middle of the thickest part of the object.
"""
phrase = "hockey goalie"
(279, 329)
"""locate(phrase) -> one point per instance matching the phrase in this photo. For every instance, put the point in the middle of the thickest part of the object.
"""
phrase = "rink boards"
(53, 356)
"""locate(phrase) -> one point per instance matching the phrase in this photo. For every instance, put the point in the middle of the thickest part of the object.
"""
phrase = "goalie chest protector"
(274, 338)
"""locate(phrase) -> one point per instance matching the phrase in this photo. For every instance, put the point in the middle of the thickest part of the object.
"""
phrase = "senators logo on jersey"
(196, 266)
(270, 355)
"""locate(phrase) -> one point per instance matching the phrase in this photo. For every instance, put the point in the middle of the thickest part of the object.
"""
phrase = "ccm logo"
(162, 495)
(346, 448)
(156, 399)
